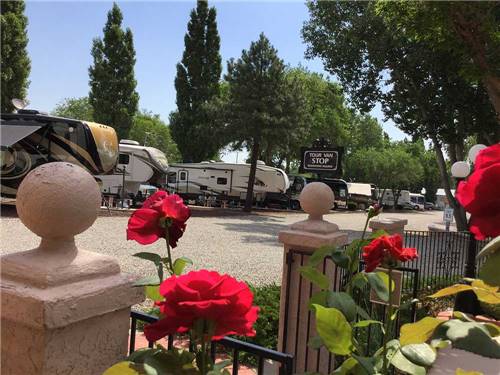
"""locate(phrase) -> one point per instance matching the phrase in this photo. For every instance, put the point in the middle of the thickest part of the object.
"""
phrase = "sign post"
(321, 160)
(448, 217)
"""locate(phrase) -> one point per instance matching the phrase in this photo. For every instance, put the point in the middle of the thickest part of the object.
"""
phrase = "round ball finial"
(58, 200)
(317, 199)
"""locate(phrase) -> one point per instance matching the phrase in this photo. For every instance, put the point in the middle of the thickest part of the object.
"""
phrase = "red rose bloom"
(204, 295)
(144, 225)
(386, 248)
(480, 194)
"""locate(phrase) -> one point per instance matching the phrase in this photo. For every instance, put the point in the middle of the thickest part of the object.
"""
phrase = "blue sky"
(61, 33)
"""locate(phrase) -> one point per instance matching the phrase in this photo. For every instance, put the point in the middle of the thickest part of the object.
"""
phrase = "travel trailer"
(388, 198)
(136, 165)
(225, 181)
(360, 196)
(31, 138)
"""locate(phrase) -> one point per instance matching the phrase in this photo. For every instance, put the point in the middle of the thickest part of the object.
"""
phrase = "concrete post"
(63, 310)
(297, 323)
(391, 225)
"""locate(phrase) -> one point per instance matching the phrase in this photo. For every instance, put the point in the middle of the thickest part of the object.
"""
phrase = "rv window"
(182, 176)
(221, 181)
(123, 159)
(172, 178)
(203, 187)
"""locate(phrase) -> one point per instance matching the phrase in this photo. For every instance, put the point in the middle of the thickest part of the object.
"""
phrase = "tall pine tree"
(197, 83)
(112, 81)
(14, 59)
(258, 102)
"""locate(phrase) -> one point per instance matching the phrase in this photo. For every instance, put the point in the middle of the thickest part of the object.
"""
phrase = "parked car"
(429, 206)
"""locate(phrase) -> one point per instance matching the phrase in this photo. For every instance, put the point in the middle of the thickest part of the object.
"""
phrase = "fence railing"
(443, 256)
(262, 354)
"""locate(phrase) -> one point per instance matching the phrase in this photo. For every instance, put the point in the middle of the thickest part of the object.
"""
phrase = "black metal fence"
(285, 361)
(444, 257)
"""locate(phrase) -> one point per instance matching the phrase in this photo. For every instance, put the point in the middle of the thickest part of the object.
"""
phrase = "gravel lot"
(244, 246)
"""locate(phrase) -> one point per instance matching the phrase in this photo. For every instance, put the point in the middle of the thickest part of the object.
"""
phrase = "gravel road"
(245, 246)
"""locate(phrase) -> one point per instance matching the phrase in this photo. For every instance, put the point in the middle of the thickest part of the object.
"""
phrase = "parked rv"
(31, 138)
(404, 201)
(360, 195)
(417, 201)
(137, 165)
(338, 186)
(227, 182)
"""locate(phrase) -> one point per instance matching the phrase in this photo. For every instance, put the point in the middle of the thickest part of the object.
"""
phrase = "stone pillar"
(297, 322)
(63, 310)
(391, 225)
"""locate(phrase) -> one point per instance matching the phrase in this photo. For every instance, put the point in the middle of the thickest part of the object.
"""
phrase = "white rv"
(417, 201)
(403, 199)
(226, 180)
(136, 165)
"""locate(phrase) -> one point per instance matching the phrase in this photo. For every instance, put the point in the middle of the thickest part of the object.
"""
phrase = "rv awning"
(10, 134)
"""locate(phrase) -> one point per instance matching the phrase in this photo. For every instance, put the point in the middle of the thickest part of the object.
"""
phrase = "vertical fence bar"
(133, 328)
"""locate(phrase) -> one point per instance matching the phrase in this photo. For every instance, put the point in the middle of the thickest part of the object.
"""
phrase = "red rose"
(386, 248)
(145, 226)
(480, 194)
(204, 295)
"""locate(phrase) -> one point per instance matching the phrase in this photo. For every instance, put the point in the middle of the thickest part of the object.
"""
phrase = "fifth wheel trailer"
(226, 181)
(136, 165)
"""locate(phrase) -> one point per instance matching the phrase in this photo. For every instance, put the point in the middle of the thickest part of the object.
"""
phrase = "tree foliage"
(15, 61)
(149, 130)
(112, 81)
(75, 108)
(256, 102)
(197, 84)
(420, 87)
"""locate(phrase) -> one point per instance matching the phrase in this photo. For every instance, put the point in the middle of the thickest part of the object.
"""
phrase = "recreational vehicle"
(338, 186)
(31, 138)
(136, 165)
(388, 198)
(417, 201)
(360, 196)
(225, 181)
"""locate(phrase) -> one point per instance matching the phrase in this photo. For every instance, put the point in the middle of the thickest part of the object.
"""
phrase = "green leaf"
(150, 280)
(315, 277)
(463, 372)
(334, 329)
(403, 364)
(319, 298)
(491, 247)
(139, 355)
(340, 258)
(461, 316)
(454, 289)
(419, 354)
(377, 234)
(470, 336)
(493, 329)
(343, 302)
(362, 313)
(180, 264)
(378, 284)
(359, 280)
(319, 255)
(152, 257)
(486, 293)
(153, 292)
(440, 344)
(365, 363)
(124, 368)
(315, 342)
(419, 332)
(489, 270)
(366, 323)
(349, 366)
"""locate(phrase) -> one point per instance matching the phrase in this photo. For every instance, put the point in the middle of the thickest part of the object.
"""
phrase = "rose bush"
(161, 215)
(480, 194)
(387, 250)
(220, 300)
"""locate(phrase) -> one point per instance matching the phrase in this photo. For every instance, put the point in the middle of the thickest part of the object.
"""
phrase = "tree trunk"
(492, 85)
(396, 193)
(251, 177)
(458, 211)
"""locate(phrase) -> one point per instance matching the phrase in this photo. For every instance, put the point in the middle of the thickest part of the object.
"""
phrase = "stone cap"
(389, 223)
(300, 240)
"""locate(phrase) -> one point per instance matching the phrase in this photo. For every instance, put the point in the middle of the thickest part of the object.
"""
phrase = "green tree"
(467, 30)
(256, 85)
(365, 132)
(112, 82)
(197, 84)
(76, 108)
(420, 87)
(149, 130)
(15, 61)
